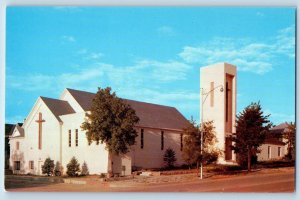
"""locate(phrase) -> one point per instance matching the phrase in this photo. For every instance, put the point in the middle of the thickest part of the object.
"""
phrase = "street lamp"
(204, 96)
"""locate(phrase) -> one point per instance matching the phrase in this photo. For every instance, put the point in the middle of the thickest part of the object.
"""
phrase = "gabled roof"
(281, 126)
(151, 115)
(58, 107)
(275, 134)
(20, 129)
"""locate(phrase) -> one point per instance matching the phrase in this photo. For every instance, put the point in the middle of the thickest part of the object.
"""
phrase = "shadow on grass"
(20, 181)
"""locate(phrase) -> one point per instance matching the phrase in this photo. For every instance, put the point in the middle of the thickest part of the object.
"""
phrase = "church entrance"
(228, 149)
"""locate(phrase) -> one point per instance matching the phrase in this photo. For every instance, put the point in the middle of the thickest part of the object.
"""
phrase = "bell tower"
(218, 103)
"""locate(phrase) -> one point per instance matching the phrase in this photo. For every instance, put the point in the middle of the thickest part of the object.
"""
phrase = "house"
(274, 147)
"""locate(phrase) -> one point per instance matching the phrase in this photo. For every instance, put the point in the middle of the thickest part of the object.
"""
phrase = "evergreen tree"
(290, 136)
(48, 167)
(251, 128)
(170, 158)
(73, 167)
(111, 121)
(58, 169)
(84, 169)
(192, 144)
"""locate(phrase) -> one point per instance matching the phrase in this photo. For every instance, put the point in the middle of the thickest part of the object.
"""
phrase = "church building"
(52, 129)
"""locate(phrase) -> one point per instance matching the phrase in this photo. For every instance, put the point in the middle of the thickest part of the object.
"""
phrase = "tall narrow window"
(31, 164)
(70, 138)
(181, 142)
(17, 145)
(226, 112)
(269, 152)
(76, 137)
(142, 138)
(162, 140)
(212, 94)
(17, 165)
(279, 151)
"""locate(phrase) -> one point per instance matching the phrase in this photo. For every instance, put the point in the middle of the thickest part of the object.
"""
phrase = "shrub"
(48, 167)
(58, 169)
(84, 169)
(169, 157)
(73, 167)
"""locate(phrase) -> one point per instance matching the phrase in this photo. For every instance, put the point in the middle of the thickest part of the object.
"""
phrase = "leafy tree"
(58, 169)
(84, 169)
(192, 144)
(290, 135)
(251, 128)
(111, 121)
(48, 167)
(73, 167)
(170, 157)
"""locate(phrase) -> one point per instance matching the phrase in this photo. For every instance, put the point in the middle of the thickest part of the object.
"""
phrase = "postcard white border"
(144, 196)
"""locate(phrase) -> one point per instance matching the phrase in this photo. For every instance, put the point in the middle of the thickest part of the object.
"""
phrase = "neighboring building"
(274, 147)
(218, 82)
(8, 131)
(52, 129)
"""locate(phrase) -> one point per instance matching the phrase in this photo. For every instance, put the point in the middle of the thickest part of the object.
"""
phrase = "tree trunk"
(249, 159)
(109, 165)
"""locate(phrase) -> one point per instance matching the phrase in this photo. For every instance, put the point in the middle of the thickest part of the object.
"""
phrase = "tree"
(111, 121)
(251, 129)
(73, 167)
(192, 144)
(290, 135)
(170, 157)
(57, 169)
(84, 169)
(48, 167)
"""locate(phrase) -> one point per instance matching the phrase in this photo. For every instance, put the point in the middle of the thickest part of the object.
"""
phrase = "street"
(268, 180)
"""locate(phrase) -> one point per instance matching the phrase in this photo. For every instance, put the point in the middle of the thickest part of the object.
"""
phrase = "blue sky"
(150, 54)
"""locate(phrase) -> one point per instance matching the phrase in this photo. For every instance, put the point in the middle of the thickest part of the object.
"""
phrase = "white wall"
(217, 73)
(151, 156)
(263, 155)
(94, 155)
(50, 139)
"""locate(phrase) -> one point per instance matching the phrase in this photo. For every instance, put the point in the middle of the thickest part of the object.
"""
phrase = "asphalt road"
(283, 182)
(269, 181)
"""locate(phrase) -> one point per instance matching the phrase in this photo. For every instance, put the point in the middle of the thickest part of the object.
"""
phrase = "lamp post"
(204, 96)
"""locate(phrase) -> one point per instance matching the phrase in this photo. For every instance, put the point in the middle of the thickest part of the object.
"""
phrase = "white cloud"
(143, 72)
(68, 38)
(166, 31)
(251, 56)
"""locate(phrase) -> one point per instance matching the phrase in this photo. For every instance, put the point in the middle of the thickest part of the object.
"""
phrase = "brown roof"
(151, 115)
(275, 134)
(281, 126)
(58, 107)
(20, 129)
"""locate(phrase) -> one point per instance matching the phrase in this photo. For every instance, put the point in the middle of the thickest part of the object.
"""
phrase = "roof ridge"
(42, 97)
(123, 98)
